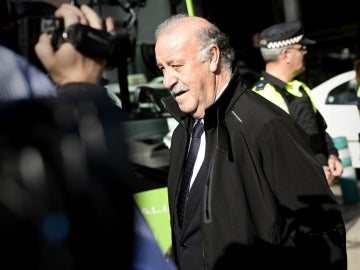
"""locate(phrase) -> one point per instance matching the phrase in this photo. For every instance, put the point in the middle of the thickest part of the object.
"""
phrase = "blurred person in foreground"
(27, 82)
(283, 48)
(21, 76)
(66, 188)
(258, 197)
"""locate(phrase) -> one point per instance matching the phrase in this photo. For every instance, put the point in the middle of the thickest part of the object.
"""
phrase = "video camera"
(23, 21)
(89, 41)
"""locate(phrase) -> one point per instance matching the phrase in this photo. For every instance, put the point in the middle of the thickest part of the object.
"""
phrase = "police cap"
(283, 35)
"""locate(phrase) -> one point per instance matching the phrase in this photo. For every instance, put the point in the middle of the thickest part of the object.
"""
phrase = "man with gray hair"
(256, 196)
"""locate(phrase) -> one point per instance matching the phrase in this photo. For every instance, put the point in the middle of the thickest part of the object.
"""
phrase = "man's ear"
(285, 55)
(214, 58)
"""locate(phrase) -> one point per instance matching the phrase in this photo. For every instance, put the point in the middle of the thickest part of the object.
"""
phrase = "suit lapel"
(196, 195)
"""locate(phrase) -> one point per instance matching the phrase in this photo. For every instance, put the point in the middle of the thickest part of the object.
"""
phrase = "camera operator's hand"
(66, 64)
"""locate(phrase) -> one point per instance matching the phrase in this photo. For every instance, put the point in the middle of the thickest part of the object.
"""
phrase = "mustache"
(178, 88)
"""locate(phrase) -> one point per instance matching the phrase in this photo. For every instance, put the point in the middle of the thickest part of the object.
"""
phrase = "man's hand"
(66, 64)
(334, 170)
(335, 166)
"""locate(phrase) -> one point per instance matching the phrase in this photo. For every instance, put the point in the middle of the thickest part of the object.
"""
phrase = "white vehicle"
(336, 100)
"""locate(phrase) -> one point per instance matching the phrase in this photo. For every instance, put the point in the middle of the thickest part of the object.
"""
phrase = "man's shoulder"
(256, 105)
(259, 85)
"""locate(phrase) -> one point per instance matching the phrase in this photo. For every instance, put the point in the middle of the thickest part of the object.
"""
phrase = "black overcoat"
(264, 199)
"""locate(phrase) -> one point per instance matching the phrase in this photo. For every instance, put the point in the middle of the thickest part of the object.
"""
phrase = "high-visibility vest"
(295, 99)
(269, 92)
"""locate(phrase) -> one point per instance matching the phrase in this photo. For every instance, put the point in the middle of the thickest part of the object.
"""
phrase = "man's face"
(188, 80)
(297, 52)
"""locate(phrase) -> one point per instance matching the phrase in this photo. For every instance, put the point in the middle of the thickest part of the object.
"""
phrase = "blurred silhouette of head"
(65, 195)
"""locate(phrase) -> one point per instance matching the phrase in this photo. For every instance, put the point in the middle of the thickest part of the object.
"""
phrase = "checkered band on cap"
(284, 43)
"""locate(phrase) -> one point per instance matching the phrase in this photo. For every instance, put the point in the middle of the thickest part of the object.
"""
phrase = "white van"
(337, 102)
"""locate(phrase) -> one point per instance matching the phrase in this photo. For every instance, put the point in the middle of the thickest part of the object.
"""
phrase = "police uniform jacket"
(259, 186)
(295, 98)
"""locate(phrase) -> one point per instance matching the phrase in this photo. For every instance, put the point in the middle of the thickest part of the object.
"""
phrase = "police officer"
(283, 47)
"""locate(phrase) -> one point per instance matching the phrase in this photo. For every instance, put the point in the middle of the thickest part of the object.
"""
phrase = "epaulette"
(259, 85)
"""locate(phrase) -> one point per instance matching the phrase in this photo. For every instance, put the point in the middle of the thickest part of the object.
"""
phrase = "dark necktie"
(190, 161)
